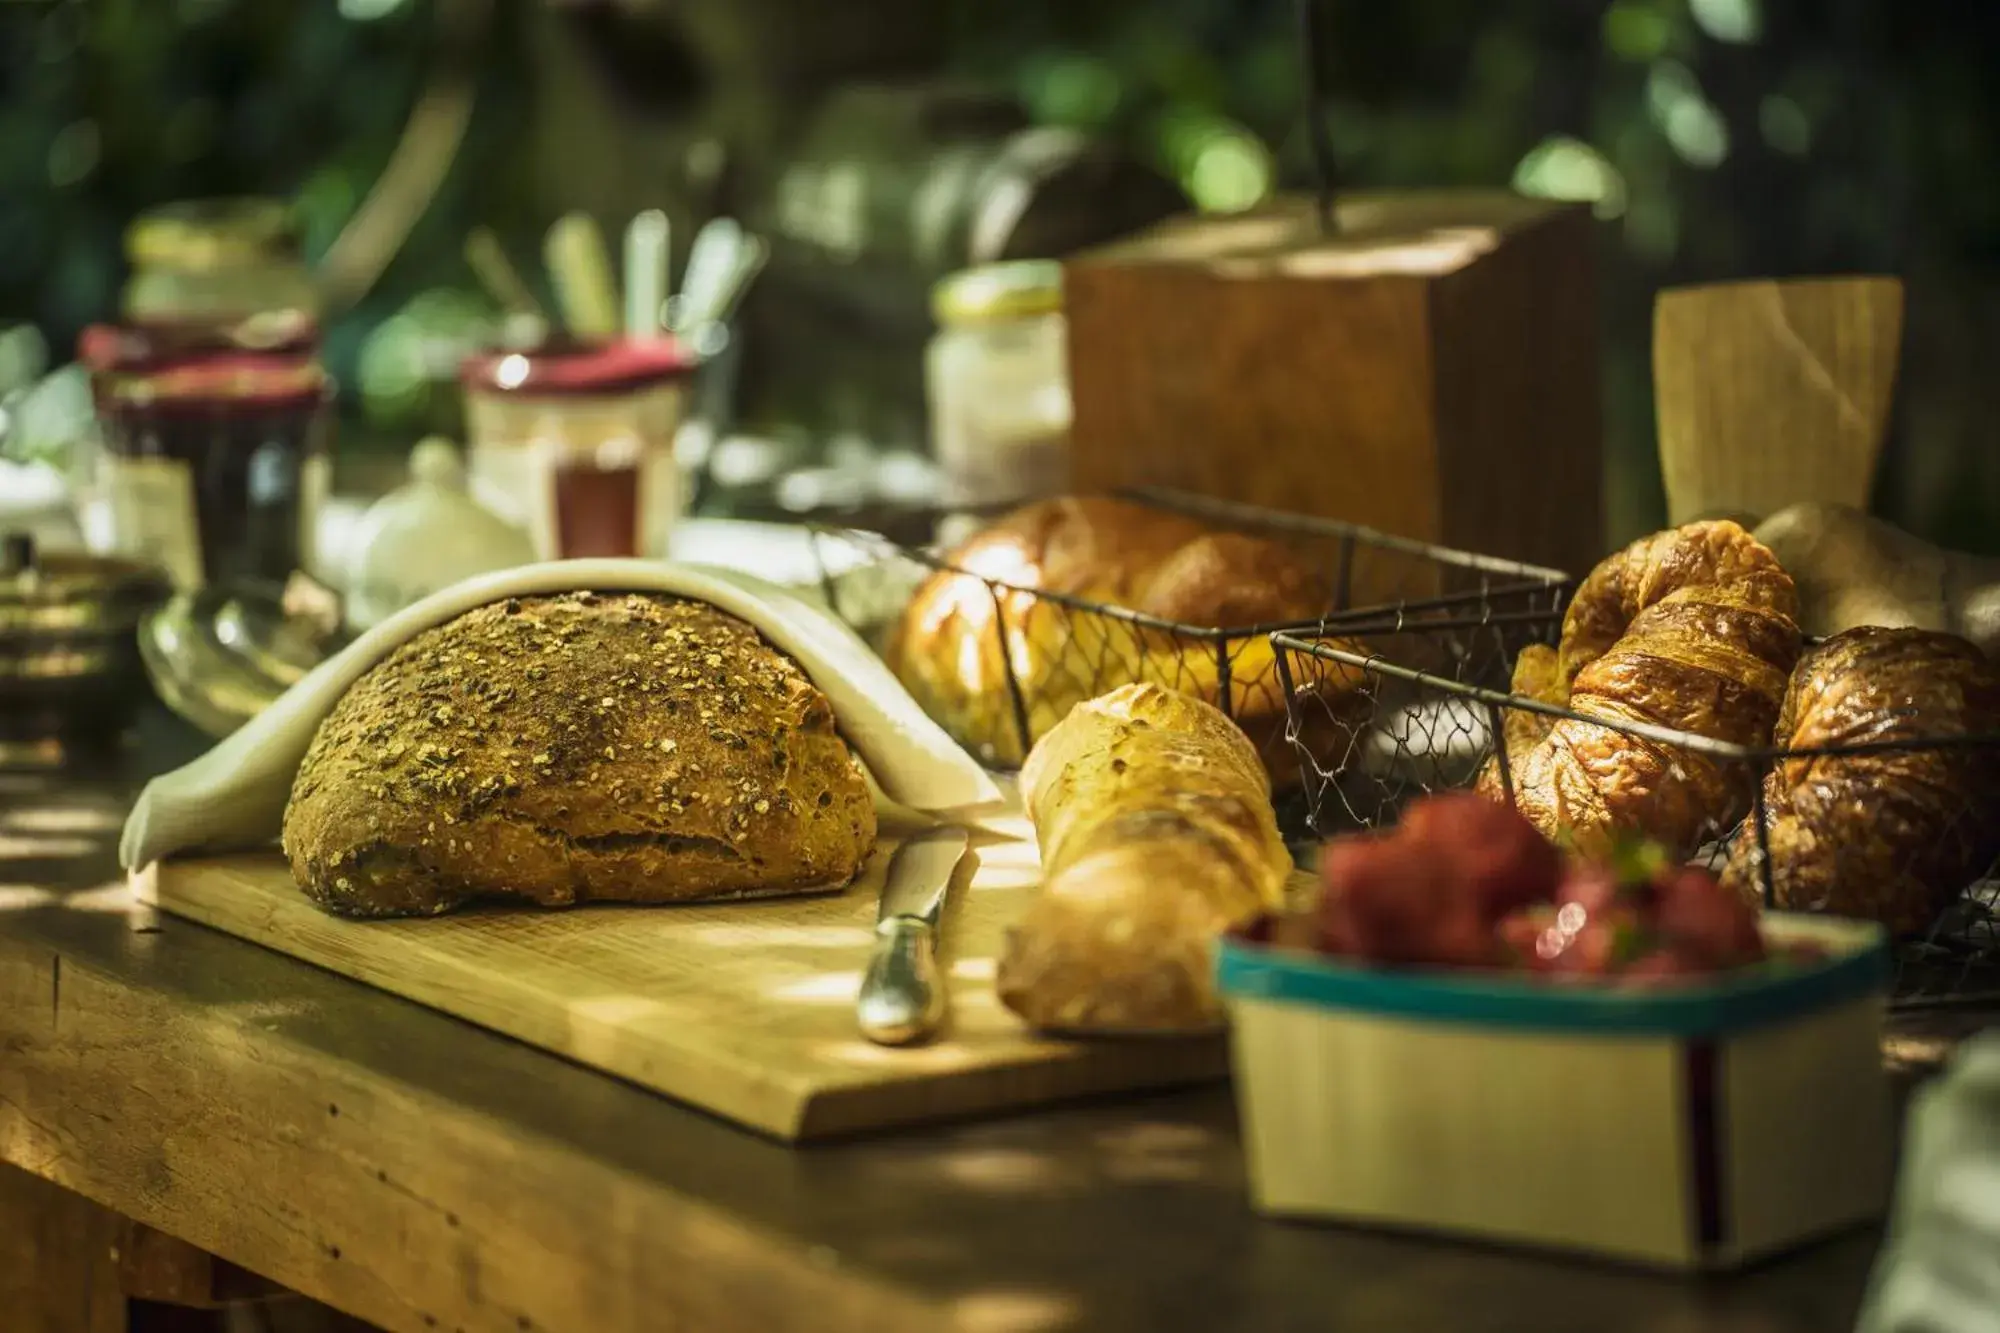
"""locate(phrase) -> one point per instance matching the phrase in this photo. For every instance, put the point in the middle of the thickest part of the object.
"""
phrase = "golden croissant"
(1693, 629)
(1893, 834)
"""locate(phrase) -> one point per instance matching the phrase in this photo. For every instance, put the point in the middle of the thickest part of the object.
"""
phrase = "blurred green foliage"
(1715, 138)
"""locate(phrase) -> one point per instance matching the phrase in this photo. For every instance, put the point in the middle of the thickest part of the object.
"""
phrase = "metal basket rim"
(1283, 642)
(1530, 579)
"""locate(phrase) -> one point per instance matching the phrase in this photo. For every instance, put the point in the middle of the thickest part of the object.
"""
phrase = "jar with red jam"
(576, 444)
(213, 462)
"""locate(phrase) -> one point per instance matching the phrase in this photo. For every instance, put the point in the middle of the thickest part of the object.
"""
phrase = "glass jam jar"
(997, 377)
(576, 444)
(212, 463)
(219, 273)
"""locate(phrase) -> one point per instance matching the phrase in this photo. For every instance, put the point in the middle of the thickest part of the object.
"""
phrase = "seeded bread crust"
(577, 748)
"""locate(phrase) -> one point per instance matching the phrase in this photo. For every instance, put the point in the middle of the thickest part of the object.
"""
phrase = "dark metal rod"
(1498, 724)
(1761, 814)
(1326, 180)
(1223, 680)
(1015, 694)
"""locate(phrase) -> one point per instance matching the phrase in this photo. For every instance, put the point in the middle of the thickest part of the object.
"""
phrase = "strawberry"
(1601, 946)
(1500, 859)
(1390, 900)
(1595, 889)
(1707, 923)
(1346, 863)
(1530, 939)
(1639, 863)
(1663, 967)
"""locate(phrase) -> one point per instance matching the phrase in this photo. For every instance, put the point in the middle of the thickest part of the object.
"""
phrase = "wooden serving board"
(743, 1009)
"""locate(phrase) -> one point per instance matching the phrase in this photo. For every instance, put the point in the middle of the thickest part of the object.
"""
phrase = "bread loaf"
(1153, 814)
(954, 643)
(1854, 569)
(1691, 629)
(577, 748)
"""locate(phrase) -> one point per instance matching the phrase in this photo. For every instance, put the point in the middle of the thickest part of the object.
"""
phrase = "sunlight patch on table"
(1015, 1312)
(821, 988)
(784, 937)
(60, 819)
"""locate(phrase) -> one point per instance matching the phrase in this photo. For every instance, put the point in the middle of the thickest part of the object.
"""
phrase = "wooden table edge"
(272, 1120)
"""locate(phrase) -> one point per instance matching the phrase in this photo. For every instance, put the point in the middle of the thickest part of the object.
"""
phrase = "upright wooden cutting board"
(1770, 393)
(743, 1009)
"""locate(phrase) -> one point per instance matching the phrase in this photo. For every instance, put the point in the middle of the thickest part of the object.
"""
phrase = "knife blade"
(902, 999)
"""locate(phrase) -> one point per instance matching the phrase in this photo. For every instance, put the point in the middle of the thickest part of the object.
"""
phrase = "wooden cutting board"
(743, 1009)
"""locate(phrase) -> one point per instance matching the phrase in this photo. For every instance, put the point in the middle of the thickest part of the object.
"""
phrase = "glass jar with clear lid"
(997, 377)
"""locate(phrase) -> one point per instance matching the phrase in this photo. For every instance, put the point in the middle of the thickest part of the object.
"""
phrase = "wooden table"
(423, 1174)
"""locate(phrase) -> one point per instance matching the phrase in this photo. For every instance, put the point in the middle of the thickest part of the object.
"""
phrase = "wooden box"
(1697, 1126)
(1431, 370)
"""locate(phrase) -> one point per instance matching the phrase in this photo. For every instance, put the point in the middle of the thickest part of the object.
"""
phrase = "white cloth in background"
(234, 796)
(1939, 1270)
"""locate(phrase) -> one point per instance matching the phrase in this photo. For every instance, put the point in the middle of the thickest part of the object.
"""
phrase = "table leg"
(69, 1266)
(58, 1271)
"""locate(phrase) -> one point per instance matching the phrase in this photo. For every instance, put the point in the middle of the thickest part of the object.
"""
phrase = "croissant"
(1893, 835)
(1691, 629)
(1061, 558)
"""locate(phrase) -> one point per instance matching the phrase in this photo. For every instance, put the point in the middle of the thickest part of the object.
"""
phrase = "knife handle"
(902, 994)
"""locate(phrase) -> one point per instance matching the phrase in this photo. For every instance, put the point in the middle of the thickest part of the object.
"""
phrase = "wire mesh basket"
(1004, 659)
(1371, 732)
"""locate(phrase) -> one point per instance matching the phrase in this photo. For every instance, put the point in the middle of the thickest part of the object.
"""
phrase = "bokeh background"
(1714, 138)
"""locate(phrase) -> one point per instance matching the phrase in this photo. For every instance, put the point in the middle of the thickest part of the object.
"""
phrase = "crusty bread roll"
(1892, 835)
(1854, 569)
(577, 748)
(1691, 629)
(948, 647)
(1154, 818)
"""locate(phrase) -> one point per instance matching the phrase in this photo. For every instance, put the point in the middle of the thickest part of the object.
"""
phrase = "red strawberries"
(1501, 861)
(1464, 881)
(1400, 901)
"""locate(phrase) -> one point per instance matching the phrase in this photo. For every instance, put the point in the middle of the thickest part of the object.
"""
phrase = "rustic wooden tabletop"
(423, 1174)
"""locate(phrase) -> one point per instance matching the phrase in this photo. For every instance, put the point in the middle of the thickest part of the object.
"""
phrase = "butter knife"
(902, 1000)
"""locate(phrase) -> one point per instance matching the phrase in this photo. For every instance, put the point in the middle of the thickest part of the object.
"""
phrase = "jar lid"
(146, 343)
(1017, 289)
(70, 592)
(426, 535)
(555, 370)
(135, 374)
(138, 349)
(211, 233)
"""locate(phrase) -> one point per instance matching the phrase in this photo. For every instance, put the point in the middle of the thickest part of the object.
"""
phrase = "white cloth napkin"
(1939, 1269)
(234, 796)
